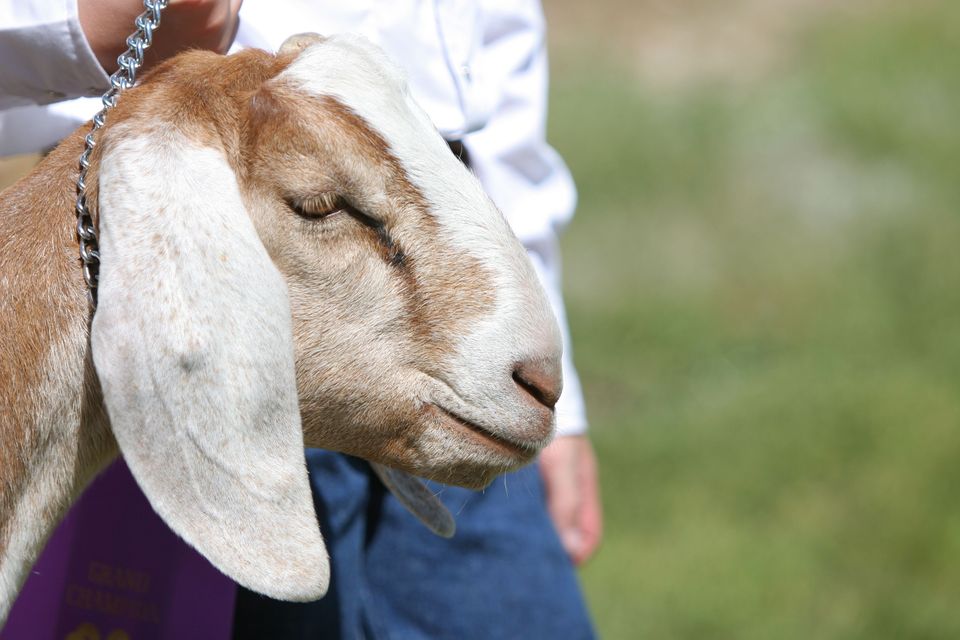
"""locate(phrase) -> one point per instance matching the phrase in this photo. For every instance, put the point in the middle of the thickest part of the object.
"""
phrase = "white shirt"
(478, 68)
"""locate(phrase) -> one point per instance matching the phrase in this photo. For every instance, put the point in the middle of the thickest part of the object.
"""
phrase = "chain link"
(123, 78)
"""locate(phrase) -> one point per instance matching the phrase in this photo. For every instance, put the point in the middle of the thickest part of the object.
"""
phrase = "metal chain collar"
(123, 78)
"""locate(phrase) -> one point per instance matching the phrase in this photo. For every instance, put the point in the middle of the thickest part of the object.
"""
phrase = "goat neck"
(53, 433)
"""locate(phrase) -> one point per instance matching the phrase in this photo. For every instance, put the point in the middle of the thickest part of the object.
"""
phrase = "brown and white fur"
(291, 255)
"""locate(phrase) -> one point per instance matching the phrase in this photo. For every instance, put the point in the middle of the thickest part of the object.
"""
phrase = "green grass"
(764, 290)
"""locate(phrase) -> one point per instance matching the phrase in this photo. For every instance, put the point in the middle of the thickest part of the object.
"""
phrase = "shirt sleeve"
(46, 57)
(524, 176)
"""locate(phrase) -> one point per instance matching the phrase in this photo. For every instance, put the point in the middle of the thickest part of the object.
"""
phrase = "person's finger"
(590, 512)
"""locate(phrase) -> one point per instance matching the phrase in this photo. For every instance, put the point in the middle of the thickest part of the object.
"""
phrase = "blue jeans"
(503, 575)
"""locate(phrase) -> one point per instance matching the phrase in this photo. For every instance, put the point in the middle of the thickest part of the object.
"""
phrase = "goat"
(290, 255)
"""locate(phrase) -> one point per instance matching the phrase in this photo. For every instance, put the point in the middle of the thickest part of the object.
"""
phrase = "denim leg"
(341, 487)
(504, 574)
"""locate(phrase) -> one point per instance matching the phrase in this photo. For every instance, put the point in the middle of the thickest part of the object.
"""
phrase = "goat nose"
(541, 379)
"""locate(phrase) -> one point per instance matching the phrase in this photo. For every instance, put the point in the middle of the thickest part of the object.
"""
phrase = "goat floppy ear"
(192, 343)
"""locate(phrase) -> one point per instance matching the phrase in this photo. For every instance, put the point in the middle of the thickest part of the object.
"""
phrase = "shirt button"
(465, 71)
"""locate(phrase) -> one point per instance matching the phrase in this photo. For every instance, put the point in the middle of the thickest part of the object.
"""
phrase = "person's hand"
(569, 470)
(184, 24)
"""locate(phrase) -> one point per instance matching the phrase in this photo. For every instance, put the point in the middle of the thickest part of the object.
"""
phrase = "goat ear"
(300, 41)
(417, 499)
(192, 343)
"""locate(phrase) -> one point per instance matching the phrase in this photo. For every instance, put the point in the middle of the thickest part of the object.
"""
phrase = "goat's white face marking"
(446, 327)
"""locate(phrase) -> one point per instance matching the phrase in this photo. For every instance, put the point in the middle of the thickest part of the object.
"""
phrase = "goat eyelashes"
(318, 206)
(325, 205)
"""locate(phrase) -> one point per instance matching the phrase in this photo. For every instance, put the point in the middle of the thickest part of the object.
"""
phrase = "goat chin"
(288, 250)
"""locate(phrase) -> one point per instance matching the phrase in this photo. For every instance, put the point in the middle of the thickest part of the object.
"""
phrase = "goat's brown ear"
(417, 499)
(300, 41)
(192, 343)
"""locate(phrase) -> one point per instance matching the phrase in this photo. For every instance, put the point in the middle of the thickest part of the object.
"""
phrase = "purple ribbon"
(113, 571)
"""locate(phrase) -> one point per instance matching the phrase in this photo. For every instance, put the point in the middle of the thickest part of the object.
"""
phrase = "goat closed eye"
(318, 206)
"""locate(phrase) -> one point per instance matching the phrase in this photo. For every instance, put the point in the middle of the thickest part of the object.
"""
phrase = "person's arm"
(185, 24)
(54, 50)
(532, 186)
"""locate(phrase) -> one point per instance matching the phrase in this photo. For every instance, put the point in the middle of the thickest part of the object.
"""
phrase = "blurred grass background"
(763, 280)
